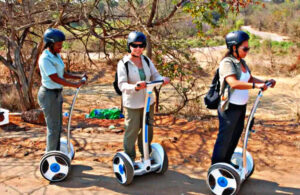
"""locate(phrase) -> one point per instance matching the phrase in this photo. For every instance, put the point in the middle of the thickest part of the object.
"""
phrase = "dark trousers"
(231, 125)
(50, 100)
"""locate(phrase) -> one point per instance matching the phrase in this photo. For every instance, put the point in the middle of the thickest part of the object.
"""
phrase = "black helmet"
(136, 36)
(236, 38)
(53, 35)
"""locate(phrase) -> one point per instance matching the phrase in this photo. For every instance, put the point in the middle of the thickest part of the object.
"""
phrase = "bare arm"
(64, 82)
(71, 76)
(255, 80)
(236, 84)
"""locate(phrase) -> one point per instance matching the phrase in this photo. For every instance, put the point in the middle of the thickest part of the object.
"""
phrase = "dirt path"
(275, 148)
(265, 35)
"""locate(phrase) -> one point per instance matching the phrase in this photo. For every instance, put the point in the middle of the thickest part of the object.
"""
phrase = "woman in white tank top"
(237, 79)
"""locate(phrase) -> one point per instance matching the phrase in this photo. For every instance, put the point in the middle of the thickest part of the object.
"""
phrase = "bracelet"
(253, 85)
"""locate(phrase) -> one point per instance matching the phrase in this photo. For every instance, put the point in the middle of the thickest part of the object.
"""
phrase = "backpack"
(115, 83)
(212, 98)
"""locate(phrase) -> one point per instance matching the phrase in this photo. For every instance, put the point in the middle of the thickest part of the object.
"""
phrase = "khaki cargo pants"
(134, 131)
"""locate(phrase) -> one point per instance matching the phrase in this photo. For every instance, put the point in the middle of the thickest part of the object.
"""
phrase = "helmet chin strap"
(237, 52)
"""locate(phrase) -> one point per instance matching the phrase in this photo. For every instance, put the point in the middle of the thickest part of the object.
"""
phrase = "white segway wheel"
(123, 169)
(222, 179)
(237, 159)
(160, 156)
(251, 172)
(55, 166)
(73, 156)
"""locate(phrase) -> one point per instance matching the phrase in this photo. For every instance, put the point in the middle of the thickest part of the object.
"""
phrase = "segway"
(223, 178)
(157, 161)
(56, 165)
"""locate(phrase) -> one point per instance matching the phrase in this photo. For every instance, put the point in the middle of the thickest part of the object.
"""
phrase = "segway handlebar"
(83, 78)
(158, 82)
(269, 84)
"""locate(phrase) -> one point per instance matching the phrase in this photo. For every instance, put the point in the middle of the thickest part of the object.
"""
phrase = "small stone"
(78, 129)
(186, 160)
(5, 154)
(26, 153)
(88, 130)
(101, 129)
(117, 130)
(174, 139)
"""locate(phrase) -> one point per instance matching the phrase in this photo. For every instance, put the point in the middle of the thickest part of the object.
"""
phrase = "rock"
(78, 129)
(174, 139)
(26, 153)
(88, 130)
(117, 130)
(5, 154)
(35, 116)
(101, 129)
(186, 160)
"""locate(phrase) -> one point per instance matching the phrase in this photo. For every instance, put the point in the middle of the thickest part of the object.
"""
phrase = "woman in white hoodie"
(133, 72)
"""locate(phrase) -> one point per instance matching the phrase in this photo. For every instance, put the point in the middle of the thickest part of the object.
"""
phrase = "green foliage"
(205, 12)
(279, 48)
(254, 42)
(66, 45)
(239, 23)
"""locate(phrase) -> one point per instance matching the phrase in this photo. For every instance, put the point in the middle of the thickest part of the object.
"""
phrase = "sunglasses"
(246, 49)
(143, 45)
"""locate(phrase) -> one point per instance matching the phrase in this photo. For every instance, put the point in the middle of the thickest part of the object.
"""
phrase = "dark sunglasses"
(246, 49)
(143, 45)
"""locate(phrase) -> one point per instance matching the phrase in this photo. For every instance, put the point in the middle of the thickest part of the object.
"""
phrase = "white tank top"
(240, 97)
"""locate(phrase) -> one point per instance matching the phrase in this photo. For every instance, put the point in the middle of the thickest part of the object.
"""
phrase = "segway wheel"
(223, 180)
(165, 164)
(73, 156)
(159, 156)
(55, 166)
(251, 172)
(237, 159)
(123, 169)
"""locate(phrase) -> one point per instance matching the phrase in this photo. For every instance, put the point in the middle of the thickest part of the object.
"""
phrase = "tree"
(24, 21)
(22, 26)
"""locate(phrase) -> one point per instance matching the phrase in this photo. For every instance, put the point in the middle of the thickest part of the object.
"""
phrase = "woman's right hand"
(140, 85)
(262, 86)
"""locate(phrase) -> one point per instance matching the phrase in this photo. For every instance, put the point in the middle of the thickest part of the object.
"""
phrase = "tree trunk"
(149, 47)
(26, 97)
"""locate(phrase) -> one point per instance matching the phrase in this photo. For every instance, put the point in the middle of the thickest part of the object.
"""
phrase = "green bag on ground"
(113, 113)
